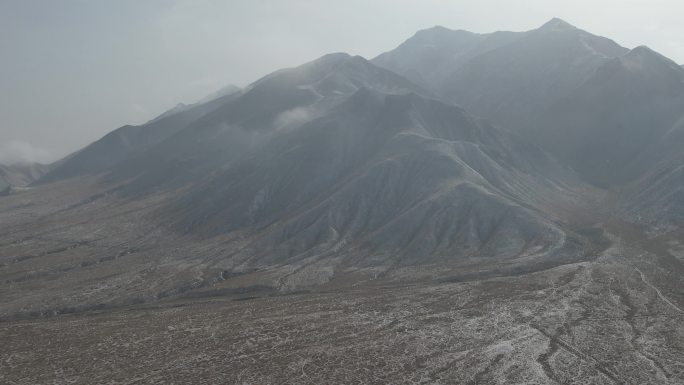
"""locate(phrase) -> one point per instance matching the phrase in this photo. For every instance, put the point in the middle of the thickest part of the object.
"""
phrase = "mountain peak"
(642, 50)
(642, 54)
(436, 28)
(326, 61)
(333, 57)
(440, 33)
(557, 24)
(439, 29)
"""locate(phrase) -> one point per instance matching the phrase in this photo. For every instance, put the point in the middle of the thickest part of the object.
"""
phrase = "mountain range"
(451, 156)
(503, 208)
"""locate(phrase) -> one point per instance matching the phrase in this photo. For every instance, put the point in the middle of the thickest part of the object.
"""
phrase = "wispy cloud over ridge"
(18, 151)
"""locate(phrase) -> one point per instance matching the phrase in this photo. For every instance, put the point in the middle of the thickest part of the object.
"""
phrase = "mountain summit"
(557, 24)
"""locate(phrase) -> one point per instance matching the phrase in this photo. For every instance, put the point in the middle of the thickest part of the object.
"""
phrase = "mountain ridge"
(341, 167)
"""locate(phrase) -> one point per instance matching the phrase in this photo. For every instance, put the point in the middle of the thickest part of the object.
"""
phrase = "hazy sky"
(73, 70)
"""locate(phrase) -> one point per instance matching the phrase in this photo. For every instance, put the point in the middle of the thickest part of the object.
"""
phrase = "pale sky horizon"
(73, 70)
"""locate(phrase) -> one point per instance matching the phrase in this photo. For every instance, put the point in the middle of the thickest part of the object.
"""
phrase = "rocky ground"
(616, 320)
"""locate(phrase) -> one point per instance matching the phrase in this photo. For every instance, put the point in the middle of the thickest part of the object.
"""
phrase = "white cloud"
(294, 117)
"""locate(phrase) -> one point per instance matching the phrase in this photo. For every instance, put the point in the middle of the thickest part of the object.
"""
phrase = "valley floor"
(616, 320)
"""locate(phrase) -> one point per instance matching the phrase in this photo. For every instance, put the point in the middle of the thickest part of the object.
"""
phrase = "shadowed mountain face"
(605, 128)
(656, 198)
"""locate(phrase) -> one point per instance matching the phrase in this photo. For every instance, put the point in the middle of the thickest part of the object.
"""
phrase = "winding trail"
(643, 278)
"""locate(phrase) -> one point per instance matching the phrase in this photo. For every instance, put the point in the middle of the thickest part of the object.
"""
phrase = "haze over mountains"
(589, 102)
(345, 163)
(528, 181)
